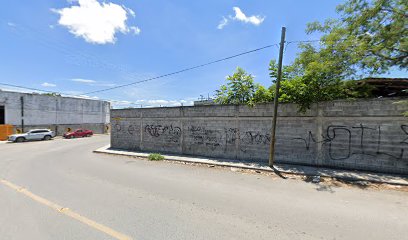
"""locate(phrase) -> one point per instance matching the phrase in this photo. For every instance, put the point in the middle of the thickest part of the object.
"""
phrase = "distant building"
(204, 102)
(26, 111)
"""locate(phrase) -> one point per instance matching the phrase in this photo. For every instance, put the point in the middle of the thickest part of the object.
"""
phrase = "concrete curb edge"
(106, 150)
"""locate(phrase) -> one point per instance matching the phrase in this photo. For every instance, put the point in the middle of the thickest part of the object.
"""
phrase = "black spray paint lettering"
(168, 132)
(340, 154)
(255, 137)
(404, 128)
(335, 136)
(232, 135)
(203, 136)
(131, 129)
(155, 130)
(118, 127)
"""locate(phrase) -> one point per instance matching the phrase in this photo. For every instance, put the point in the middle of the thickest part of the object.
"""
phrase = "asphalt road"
(61, 190)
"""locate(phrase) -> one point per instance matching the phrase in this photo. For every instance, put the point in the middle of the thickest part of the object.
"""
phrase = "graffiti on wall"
(130, 129)
(221, 139)
(168, 133)
(342, 142)
(256, 137)
(206, 137)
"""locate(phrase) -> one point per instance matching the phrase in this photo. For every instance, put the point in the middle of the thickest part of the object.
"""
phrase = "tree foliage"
(240, 88)
(370, 37)
(53, 94)
(262, 94)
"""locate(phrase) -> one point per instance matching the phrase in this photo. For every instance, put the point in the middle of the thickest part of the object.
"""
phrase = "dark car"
(78, 133)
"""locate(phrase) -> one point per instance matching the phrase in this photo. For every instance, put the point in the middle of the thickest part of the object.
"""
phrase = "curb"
(105, 150)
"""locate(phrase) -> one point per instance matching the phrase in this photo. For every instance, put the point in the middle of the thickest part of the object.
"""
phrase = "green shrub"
(155, 157)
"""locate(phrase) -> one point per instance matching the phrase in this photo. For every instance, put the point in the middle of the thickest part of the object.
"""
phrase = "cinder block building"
(27, 111)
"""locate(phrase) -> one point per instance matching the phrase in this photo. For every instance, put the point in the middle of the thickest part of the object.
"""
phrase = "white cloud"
(45, 84)
(241, 17)
(91, 82)
(130, 11)
(11, 24)
(223, 23)
(96, 22)
(81, 80)
(135, 30)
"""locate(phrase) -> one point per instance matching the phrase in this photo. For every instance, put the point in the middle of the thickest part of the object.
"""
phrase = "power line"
(302, 41)
(64, 94)
(57, 46)
(182, 70)
(124, 102)
(28, 88)
(324, 41)
(206, 64)
(145, 80)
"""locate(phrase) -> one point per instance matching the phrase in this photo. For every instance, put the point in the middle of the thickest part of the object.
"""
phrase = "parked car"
(34, 134)
(78, 133)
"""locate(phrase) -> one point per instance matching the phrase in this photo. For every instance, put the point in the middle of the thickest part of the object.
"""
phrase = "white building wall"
(46, 110)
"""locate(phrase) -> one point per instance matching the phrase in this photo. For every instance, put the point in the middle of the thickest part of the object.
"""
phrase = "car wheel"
(46, 138)
(20, 139)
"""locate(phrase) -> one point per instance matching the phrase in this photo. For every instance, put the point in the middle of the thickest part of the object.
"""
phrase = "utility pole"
(276, 100)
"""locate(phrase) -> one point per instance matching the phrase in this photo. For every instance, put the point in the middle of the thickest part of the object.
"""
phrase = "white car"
(34, 134)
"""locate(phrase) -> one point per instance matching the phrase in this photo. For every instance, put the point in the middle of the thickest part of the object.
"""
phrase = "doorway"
(2, 115)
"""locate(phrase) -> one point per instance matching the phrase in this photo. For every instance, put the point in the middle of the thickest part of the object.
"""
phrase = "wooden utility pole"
(276, 100)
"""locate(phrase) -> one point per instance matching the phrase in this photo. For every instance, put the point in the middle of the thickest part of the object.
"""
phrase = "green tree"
(262, 94)
(311, 78)
(240, 88)
(288, 71)
(53, 94)
(371, 36)
(354, 89)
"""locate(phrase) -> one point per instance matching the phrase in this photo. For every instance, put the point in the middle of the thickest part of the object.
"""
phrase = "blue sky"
(82, 46)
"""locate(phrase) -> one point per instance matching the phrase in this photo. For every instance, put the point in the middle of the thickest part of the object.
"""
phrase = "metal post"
(276, 102)
(22, 113)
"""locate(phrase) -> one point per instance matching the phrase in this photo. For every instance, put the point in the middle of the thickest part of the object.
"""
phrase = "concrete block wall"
(352, 134)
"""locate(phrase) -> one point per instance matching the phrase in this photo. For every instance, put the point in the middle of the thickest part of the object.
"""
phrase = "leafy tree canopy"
(240, 88)
(371, 37)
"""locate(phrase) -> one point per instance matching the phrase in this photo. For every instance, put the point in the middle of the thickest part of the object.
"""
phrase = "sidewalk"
(346, 175)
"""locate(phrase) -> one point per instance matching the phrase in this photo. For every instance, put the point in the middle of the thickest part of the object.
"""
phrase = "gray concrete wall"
(363, 134)
(56, 113)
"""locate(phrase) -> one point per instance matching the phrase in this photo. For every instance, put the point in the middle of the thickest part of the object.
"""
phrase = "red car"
(78, 133)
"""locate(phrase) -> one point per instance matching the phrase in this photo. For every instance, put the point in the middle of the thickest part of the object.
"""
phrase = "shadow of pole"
(277, 172)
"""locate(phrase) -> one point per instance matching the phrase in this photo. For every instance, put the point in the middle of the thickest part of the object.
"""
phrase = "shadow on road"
(277, 172)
